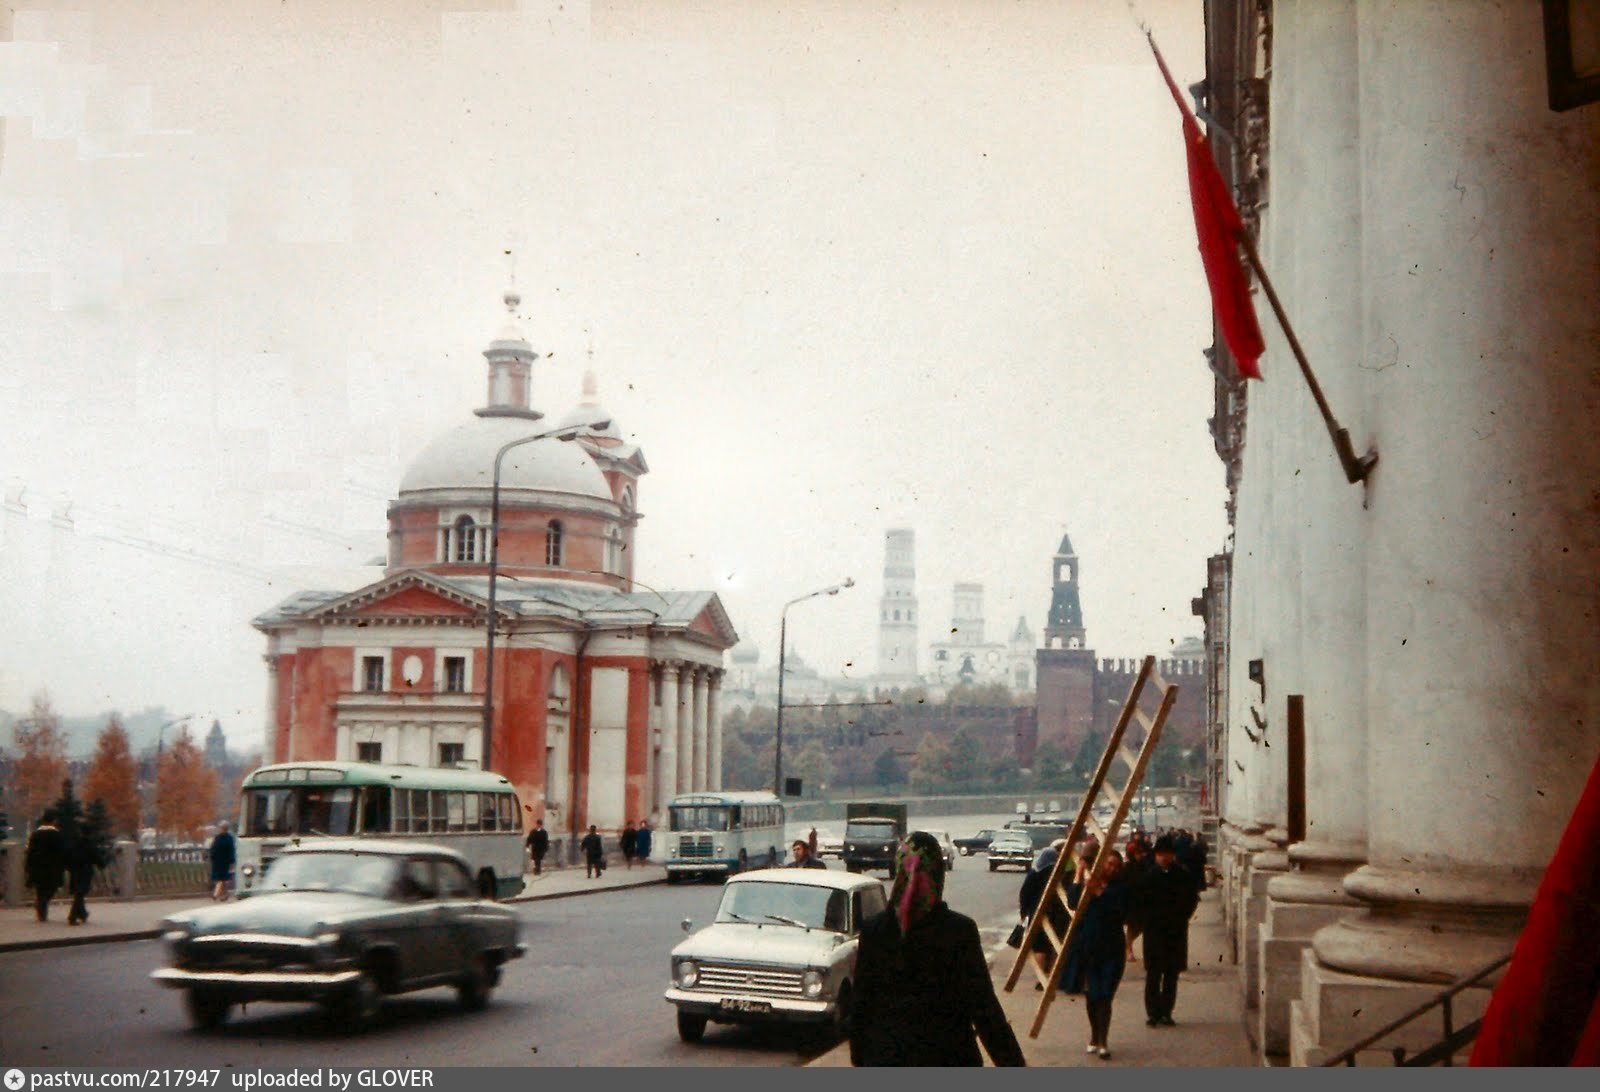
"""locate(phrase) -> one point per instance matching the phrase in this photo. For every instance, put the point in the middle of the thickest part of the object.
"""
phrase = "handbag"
(1015, 939)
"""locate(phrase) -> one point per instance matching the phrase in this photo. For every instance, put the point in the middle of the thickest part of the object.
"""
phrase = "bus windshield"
(300, 810)
(699, 817)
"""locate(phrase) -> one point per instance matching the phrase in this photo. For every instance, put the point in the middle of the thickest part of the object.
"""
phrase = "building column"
(702, 741)
(667, 717)
(1481, 537)
(714, 717)
(681, 712)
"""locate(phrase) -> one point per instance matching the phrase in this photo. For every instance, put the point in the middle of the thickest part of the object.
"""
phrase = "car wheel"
(672, 877)
(207, 1010)
(691, 1026)
(994, 866)
(487, 887)
(358, 1006)
(475, 986)
(744, 860)
(851, 867)
(772, 857)
(841, 1012)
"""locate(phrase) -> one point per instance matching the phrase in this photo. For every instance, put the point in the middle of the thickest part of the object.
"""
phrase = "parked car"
(972, 844)
(830, 843)
(343, 922)
(781, 949)
(1010, 847)
(945, 844)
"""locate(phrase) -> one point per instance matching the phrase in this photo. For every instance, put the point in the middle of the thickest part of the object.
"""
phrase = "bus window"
(487, 809)
(419, 811)
(375, 810)
(469, 811)
(509, 813)
(327, 811)
(735, 821)
(269, 811)
(440, 822)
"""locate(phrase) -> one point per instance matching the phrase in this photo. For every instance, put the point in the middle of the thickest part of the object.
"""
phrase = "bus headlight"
(811, 983)
(687, 974)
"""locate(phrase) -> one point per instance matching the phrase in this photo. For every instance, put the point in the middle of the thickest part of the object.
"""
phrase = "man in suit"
(1163, 902)
(45, 863)
(538, 845)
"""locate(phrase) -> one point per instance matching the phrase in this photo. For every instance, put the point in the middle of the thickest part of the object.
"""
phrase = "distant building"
(216, 747)
(897, 610)
(969, 658)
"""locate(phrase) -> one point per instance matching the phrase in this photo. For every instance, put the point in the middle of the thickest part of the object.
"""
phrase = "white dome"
(463, 458)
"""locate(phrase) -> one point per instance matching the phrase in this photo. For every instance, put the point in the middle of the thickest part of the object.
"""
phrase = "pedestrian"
(923, 992)
(802, 856)
(1096, 954)
(641, 842)
(594, 860)
(1134, 867)
(83, 857)
(224, 855)
(811, 842)
(628, 842)
(1028, 895)
(538, 845)
(1162, 905)
(44, 863)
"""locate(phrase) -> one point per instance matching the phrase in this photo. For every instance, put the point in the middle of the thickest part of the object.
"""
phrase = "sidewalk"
(1210, 1011)
(136, 919)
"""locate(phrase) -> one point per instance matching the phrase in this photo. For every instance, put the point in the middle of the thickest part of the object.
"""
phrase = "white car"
(781, 949)
(949, 847)
(830, 843)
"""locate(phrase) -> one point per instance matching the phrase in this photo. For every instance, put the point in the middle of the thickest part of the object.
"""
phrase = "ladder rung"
(1145, 721)
(1112, 793)
(1094, 828)
(1060, 892)
(1124, 753)
(1055, 941)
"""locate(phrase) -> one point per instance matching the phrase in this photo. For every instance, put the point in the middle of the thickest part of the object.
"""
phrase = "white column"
(702, 740)
(682, 709)
(714, 717)
(668, 719)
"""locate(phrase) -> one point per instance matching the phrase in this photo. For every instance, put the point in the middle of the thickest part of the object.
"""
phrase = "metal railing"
(1440, 1053)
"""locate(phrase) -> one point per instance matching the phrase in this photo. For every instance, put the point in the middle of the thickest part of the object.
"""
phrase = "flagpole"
(1356, 468)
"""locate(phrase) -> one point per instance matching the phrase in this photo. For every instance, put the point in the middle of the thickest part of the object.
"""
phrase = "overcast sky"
(844, 267)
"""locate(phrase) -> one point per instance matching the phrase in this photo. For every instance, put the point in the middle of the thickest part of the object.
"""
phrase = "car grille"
(776, 983)
(200, 955)
(697, 846)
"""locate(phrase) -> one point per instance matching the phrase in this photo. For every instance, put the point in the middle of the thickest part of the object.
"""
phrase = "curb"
(152, 934)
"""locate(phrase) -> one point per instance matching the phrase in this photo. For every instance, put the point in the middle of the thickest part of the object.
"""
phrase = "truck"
(872, 835)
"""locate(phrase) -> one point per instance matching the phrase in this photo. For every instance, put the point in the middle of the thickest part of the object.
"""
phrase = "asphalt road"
(588, 993)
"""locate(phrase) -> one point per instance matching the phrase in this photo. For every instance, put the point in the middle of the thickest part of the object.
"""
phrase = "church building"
(602, 699)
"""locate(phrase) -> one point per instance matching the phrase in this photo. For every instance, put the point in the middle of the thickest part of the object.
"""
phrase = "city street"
(588, 993)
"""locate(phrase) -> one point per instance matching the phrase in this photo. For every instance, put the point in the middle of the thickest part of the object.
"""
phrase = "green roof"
(289, 774)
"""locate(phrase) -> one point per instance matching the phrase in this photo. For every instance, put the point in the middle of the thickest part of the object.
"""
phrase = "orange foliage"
(114, 777)
(186, 790)
(40, 764)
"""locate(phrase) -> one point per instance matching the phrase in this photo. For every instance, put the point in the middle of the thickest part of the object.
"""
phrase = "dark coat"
(592, 847)
(82, 859)
(1163, 902)
(224, 855)
(809, 862)
(1028, 895)
(629, 842)
(539, 842)
(1098, 952)
(46, 859)
(926, 998)
(641, 843)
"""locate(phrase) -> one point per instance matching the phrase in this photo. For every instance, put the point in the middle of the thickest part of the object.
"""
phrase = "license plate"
(741, 1004)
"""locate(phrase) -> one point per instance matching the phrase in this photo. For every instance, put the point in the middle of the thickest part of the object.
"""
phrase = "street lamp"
(567, 432)
(783, 649)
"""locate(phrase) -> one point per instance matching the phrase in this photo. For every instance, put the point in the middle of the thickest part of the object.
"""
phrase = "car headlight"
(811, 983)
(687, 973)
(248, 870)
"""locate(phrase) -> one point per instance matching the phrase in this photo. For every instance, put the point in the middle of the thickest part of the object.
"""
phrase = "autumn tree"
(886, 770)
(186, 790)
(930, 769)
(813, 767)
(40, 762)
(114, 778)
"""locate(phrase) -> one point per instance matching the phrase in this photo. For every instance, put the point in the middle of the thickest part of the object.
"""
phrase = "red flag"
(1546, 1009)
(1217, 223)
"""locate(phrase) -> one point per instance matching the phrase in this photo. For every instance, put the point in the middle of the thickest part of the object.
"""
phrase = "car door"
(459, 932)
(419, 936)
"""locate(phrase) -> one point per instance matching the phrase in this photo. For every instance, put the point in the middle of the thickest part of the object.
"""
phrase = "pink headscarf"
(918, 880)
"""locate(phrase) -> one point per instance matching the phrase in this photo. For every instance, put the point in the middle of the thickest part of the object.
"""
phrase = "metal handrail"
(1459, 1037)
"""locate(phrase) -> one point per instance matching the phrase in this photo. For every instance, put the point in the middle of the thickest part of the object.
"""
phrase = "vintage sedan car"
(973, 843)
(343, 922)
(945, 845)
(830, 842)
(782, 948)
(1010, 847)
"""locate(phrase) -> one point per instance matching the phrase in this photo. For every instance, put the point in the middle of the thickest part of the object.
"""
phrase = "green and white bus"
(476, 814)
(721, 833)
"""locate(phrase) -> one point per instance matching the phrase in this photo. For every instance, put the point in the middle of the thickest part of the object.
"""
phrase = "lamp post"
(568, 432)
(783, 650)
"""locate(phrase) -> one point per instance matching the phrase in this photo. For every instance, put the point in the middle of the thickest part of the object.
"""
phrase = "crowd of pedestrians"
(635, 843)
(54, 858)
(1149, 894)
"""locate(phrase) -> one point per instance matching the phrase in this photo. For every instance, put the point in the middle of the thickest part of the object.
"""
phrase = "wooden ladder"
(1125, 745)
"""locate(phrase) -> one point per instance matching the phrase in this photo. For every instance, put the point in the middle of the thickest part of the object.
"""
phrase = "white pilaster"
(667, 718)
(714, 717)
(702, 740)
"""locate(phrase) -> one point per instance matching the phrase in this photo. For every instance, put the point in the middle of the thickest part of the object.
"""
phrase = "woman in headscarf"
(1097, 953)
(1033, 885)
(923, 992)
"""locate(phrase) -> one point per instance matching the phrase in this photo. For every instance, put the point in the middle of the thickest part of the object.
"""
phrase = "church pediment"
(407, 597)
(712, 624)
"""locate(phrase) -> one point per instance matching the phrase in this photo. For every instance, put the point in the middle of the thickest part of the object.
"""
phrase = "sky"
(838, 268)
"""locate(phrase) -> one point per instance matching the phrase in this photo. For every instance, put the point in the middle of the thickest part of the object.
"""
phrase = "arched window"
(466, 539)
(552, 543)
(614, 551)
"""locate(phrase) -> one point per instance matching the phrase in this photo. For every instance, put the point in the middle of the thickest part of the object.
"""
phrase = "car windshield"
(354, 873)
(1011, 841)
(869, 828)
(791, 904)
